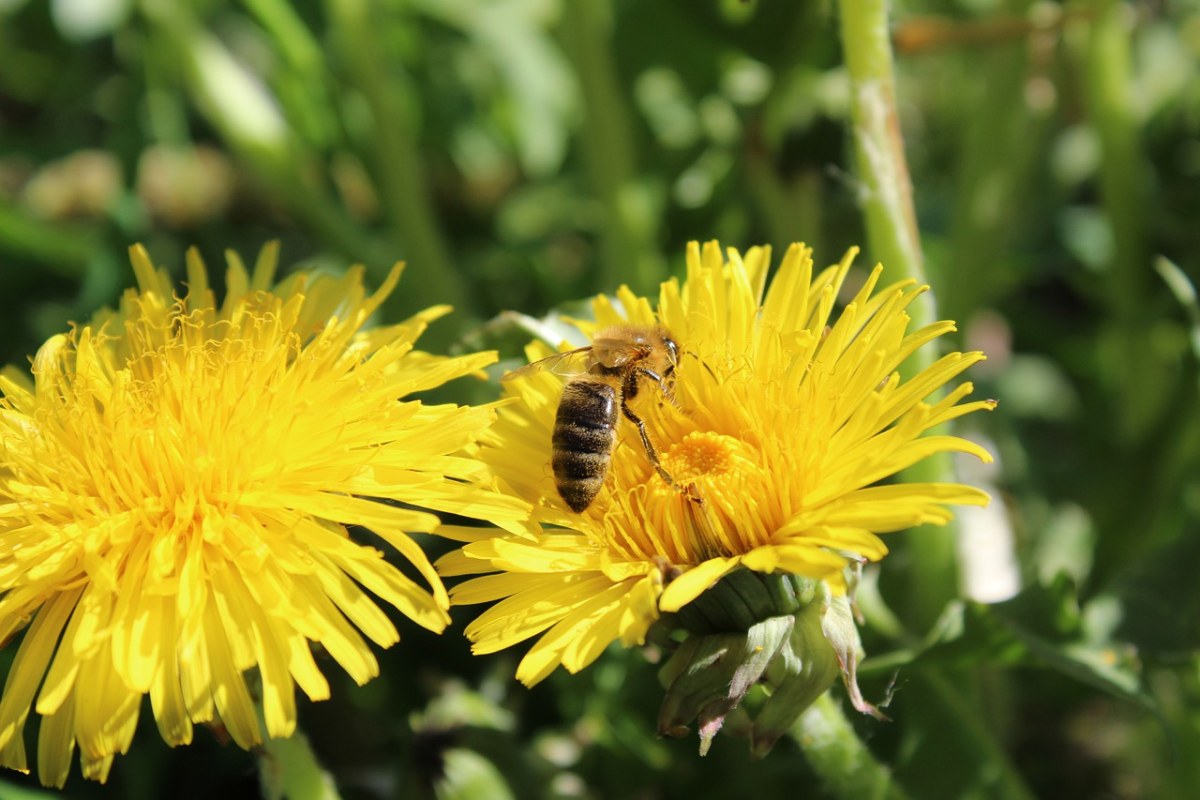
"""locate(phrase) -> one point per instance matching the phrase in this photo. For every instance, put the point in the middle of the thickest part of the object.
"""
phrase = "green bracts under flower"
(791, 634)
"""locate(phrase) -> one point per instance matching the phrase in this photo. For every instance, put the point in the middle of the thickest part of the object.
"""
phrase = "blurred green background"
(522, 154)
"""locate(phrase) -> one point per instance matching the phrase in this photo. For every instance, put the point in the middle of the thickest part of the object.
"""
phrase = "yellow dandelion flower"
(176, 483)
(779, 434)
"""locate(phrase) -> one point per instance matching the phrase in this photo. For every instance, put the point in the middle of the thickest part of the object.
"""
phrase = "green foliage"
(521, 154)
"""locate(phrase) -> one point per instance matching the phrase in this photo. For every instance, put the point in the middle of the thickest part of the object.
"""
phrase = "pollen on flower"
(700, 454)
(177, 481)
(783, 440)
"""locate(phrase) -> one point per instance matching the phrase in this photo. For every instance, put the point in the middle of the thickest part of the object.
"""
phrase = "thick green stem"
(839, 757)
(879, 149)
(893, 240)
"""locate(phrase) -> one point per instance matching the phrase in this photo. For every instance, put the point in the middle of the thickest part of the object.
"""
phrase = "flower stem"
(894, 240)
(886, 190)
(841, 759)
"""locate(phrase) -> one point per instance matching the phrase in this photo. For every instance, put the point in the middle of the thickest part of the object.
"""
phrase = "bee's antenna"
(703, 363)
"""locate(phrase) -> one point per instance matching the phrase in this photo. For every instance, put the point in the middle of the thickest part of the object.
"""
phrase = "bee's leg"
(651, 453)
(665, 383)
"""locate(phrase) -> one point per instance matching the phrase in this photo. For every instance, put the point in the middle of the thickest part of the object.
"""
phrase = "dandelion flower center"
(782, 444)
(177, 483)
(701, 454)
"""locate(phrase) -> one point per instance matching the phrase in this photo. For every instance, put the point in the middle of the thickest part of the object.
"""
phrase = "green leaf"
(470, 776)
(1040, 627)
(10, 792)
(1160, 598)
(289, 769)
(456, 705)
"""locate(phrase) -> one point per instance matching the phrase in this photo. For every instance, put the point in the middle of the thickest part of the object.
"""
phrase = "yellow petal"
(688, 586)
(769, 450)
(541, 605)
(56, 745)
(26, 673)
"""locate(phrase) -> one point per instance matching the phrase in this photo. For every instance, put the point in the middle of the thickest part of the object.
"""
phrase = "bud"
(791, 634)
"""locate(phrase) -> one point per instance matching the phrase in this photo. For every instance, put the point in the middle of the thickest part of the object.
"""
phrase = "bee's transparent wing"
(614, 353)
(568, 363)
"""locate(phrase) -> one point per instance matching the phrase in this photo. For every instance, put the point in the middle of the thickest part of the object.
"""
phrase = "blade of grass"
(627, 252)
(356, 26)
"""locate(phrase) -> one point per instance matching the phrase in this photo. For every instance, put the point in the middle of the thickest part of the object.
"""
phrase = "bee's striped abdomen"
(585, 431)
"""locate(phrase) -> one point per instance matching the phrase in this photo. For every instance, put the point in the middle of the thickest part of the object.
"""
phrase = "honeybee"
(605, 376)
